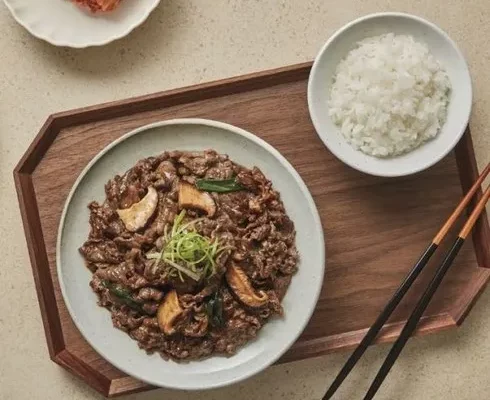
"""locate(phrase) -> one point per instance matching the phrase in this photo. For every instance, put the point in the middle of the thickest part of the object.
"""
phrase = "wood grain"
(374, 227)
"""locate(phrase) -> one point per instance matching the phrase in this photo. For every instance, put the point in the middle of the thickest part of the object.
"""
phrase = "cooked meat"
(187, 313)
(101, 251)
(104, 221)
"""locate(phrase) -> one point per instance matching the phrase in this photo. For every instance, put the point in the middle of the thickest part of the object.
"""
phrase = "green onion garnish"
(219, 186)
(187, 252)
(214, 309)
(123, 295)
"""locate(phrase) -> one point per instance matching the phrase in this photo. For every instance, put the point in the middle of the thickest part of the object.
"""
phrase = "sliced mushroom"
(136, 216)
(241, 286)
(168, 311)
(191, 197)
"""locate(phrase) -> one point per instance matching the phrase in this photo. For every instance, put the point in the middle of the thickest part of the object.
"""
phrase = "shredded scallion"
(187, 252)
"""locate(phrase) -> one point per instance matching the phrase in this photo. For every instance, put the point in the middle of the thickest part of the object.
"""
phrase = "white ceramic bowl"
(95, 323)
(441, 46)
(63, 23)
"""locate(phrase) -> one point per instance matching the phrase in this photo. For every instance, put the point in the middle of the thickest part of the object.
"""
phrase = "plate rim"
(281, 159)
(64, 43)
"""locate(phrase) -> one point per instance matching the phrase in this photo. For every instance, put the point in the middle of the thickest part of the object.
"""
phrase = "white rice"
(389, 95)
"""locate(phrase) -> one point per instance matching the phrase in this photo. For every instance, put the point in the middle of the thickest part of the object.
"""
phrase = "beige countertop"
(186, 42)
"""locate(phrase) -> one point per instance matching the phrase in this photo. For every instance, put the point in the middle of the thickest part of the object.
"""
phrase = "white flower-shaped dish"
(63, 23)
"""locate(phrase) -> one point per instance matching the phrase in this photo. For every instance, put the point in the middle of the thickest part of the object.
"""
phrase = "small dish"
(440, 45)
(63, 23)
(95, 322)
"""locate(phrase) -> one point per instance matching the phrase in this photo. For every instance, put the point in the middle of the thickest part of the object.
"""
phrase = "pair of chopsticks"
(407, 283)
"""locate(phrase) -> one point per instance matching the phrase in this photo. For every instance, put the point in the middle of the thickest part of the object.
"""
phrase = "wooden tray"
(374, 228)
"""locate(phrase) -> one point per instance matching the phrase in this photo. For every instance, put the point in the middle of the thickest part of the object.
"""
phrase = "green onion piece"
(184, 270)
(177, 222)
(214, 310)
(219, 186)
(153, 256)
(191, 223)
(124, 296)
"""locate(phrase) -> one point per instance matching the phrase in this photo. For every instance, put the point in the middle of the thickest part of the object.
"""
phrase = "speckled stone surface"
(186, 42)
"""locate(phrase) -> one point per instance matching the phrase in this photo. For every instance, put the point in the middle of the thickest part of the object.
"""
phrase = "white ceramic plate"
(63, 23)
(95, 323)
(441, 46)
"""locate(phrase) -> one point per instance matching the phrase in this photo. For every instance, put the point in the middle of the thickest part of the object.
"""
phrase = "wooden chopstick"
(426, 298)
(403, 289)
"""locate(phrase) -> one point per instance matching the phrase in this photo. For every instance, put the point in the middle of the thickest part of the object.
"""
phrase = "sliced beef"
(251, 225)
(101, 251)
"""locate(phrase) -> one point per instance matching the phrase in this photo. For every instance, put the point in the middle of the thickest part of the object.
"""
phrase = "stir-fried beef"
(213, 312)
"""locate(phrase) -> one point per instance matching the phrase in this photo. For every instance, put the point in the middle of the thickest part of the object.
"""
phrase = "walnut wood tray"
(374, 228)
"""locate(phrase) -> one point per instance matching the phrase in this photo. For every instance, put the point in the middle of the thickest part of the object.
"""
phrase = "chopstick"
(404, 287)
(426, 298)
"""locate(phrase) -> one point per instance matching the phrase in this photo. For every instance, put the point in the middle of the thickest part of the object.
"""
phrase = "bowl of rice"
(390, 94)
